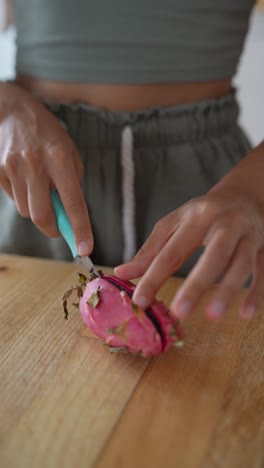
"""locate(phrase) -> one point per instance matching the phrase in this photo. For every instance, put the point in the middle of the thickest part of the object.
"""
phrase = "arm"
(247, 176)
(36, 155)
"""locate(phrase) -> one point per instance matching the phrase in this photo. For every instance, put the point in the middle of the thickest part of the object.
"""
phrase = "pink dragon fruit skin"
(122, 325)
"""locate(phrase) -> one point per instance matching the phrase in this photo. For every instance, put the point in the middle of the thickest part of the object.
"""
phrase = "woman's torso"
(124, 97)
(125, 55)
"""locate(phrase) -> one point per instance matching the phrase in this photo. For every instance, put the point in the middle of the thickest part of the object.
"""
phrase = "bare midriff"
(123, 97)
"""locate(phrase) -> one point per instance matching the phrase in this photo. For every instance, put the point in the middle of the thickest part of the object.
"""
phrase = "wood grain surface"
(65, 401)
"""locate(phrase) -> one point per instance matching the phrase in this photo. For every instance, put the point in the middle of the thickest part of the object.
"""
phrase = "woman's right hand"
(36, 155)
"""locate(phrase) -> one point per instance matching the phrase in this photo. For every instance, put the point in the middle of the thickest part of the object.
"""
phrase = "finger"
(40, 207)
(179, 247)
(209, 267)
(20, 198)
(16, 178)
(161, 233)
(68, 186)
(19, 190)
(78, 166)
(255, 298)
(6, 186)
(238, 272)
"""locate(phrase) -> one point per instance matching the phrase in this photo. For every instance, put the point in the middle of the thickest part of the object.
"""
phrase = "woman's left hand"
(230, 225)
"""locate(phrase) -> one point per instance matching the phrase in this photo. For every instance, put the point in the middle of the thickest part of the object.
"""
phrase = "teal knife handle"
(63, 222)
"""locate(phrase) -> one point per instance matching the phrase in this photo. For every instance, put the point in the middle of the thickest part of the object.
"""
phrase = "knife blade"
(65, 228)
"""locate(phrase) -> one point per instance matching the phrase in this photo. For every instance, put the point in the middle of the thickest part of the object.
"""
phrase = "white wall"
(249, 79)
(7, 54)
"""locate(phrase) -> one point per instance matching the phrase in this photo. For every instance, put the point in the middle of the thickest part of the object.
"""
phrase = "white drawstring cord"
(128, 194)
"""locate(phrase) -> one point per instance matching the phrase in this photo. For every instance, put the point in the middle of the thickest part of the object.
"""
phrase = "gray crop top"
(130, 41)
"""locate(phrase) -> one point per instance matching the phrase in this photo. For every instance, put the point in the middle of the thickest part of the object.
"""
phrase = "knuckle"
(205, 207)
(171, 261)
(12, 163)
(190, 204)
(161, 227)
(142, 252)
(56, 155)
(32, 158)
(75, 203)
(201, 207)
(158, 225)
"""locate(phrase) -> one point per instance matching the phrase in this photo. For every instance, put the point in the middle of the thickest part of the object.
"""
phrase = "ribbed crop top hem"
(96, 75)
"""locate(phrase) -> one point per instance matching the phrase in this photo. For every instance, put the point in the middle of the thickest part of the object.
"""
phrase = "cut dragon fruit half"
(129, 287)
(107, 308)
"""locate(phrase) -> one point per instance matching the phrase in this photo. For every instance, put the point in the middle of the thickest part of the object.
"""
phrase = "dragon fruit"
(107, 308)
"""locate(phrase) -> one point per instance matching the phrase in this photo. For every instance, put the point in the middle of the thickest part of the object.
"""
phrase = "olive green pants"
(175, 154)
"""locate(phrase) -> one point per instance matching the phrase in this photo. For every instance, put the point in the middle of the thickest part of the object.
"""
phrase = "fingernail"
(248, 312)
(183, 309)
(216, 309)
(83, 248)
(141, 301)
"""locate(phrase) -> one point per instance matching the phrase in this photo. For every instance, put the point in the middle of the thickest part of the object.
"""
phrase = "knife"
(65, 228)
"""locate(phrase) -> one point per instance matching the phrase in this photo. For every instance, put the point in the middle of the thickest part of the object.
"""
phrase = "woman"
(128, 111)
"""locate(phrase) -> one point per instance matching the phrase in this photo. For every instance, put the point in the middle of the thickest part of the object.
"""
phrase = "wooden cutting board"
(65, 401)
